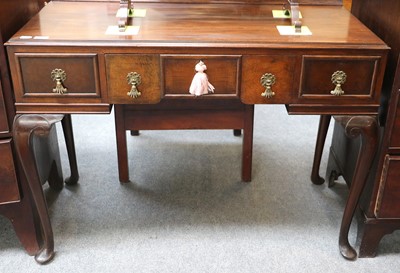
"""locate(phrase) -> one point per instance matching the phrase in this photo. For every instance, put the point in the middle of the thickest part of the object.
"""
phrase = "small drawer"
(56, 77)
(388, 199)
(267, 79)
(339, 79)
(9, 191)
(133, 78)
(222, 73)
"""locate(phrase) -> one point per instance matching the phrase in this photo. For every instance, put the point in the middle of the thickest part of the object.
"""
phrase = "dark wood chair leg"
(122, 151)
(25, 129)
(365, 127)
(247, 147)
(319, 147)
(70, 145)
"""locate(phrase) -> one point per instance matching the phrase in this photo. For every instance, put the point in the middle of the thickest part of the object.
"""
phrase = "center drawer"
(222, 72)
(145, 79)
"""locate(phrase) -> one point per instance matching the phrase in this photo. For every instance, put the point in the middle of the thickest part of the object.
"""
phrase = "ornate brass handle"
(268, 80)
(134, 79)
(338, 78)
(59, 76)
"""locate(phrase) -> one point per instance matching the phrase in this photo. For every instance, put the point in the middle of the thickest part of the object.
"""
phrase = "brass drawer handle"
(268, 80)
(59, 76)
(338, 78)
(134, 79)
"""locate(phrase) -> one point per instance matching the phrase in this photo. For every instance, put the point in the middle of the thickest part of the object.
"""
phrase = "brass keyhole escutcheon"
(134, 79)
(338, 78)
(267, 81)
(59, 76)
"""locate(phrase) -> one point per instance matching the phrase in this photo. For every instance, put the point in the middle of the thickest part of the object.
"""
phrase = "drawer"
(133, 78)
(222, 72)
(322, 76)
(388, 199)
(257, 72)
(9, 191)
(56, 78)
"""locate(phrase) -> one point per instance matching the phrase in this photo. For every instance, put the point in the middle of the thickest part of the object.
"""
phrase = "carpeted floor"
(186, 210)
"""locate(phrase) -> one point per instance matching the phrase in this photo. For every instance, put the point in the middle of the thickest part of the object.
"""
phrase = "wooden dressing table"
(66, 48)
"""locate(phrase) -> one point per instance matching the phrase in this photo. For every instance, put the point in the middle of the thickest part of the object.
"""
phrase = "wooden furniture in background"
(17, 202)
(239, 43)
(380, 206)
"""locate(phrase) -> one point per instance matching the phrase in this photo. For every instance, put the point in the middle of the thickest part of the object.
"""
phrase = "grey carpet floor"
(186, 210)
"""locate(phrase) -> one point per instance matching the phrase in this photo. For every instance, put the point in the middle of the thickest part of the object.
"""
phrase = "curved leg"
(367, 128)
(319, 146)
(25, 128)
(70, 144)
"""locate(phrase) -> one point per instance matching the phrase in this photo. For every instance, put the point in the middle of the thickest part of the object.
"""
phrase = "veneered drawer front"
(37, 77)
(121, 66)
(9, 191)
(360, 72)
(256, 69)
(222, 72)
(388, 199)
